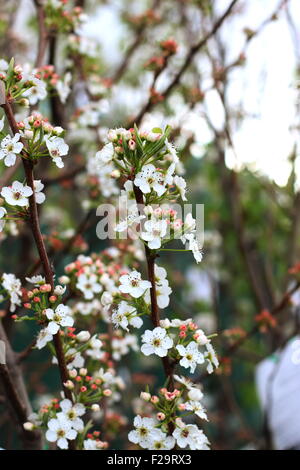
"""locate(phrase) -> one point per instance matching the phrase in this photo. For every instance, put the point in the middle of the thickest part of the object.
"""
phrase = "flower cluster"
(170, 407)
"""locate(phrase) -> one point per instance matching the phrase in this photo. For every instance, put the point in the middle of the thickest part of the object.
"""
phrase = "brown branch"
(192, 52)
(140, 33)
(16, 395)
(43, 33)
(35, 228)
(284, 302)
(155, 317)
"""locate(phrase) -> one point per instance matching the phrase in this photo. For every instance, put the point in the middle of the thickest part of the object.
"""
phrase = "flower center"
(61, 433)
(143, 431)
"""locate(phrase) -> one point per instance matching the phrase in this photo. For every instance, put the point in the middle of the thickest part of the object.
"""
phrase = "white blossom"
(154, 231)
(57, 148)
(94, 350)
(89, 285)
(60, 430)
(17, 194)
(72, 413)
(149, 178)
(105, 155)
(161, 441)
(39, 195)
(63, 87)
(124, 315)
(211, 357)
(190, 355)
(144, 432)
(37, 91)
(10, 147)
(180, 184)
(59, 317)
(133, 284)
(43, 338)
(197, 408)
(13, 286)
(36, 280)
(190, 435)
(156, 342)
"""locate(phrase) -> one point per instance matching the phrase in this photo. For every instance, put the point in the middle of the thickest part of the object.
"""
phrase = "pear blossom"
(144, 432)
(126, 314)
(63, 87)
(195, 394)
(190, 435)
(91, 444)
(72, 413)
(60, 431)
(150, 178)
(17, 194)
(60, 317)
(190, 355)
(184, 381)
(105, 155)
(43, 338)
(156, 342)
(9, 148)
(155, 230)
(180, 184)
(163, 292)
(94, 350)
(197, 408)
(89, 285)
(36, 280)
(133, 217)
(2, 123)
(160, 274)
(83, 336)
(3, 213)
(37, 91)
(211, 358)
(197, 253)
(161, 441)
(57, 148)
(77, 359)
(39, 195)
(13, 287)
(133, 284)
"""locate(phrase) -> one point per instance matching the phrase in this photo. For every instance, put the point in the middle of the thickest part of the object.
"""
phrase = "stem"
(35, 228)
(168, 365)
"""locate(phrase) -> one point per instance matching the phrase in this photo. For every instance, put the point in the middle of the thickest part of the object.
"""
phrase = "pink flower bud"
(154, 399)
(131, 144)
